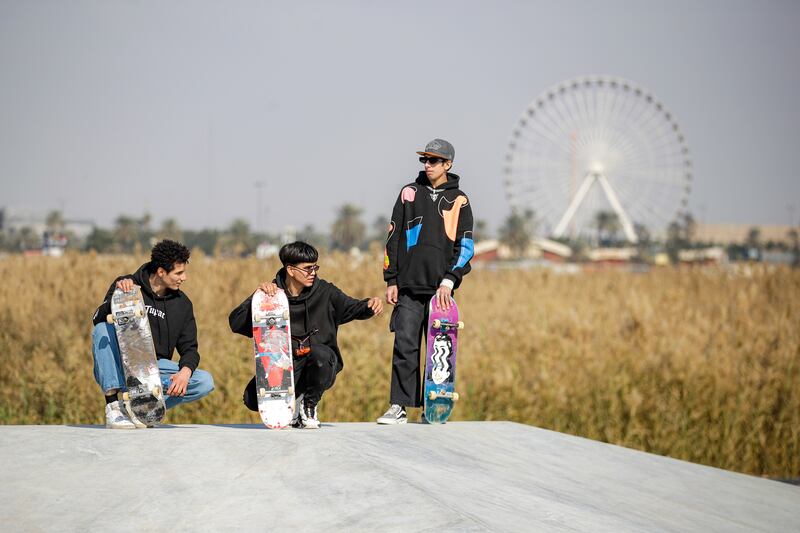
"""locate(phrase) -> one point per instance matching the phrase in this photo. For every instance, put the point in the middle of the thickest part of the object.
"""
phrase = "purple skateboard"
(440, 362)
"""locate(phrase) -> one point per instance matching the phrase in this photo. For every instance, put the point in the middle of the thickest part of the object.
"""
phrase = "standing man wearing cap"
(427, 252)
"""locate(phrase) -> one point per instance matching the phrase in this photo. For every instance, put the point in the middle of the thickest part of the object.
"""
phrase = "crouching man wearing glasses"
(317, 308)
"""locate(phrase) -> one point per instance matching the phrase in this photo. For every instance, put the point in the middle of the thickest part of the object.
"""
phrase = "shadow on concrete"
(239, 426)
(104, 428)
(261, 426)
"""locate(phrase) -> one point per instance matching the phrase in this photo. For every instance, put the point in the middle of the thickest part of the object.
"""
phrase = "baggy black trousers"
(313, 374)
(409, 323)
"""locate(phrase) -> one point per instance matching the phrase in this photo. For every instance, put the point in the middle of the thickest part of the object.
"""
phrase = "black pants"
(314, 373)
(409, 323)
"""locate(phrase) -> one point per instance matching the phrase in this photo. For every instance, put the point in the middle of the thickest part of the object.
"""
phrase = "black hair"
(298, 252)
(165, 254)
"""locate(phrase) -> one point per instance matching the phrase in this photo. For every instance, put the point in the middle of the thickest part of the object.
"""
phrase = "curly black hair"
(166, 253)
(297, 252)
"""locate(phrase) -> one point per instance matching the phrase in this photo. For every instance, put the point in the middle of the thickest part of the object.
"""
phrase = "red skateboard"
(274, 369)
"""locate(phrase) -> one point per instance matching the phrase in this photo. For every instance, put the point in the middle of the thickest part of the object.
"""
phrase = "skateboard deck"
(145, 393)
(274, 368)
(440, 361)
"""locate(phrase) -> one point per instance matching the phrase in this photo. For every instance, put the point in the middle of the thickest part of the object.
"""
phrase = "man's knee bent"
(103, 337)
(204, 382)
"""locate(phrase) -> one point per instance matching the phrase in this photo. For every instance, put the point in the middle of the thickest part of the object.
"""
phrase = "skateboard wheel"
(286, 315)
(126, 397)
(290, 391)
(110, 319)
(437, 323)
(455, 396)
(460, 324)
(432, 395)
(139, 313)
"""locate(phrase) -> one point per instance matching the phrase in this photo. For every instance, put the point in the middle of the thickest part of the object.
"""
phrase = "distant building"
(611, 256)
(703, 256)
(724, 234)
(266, 250)
(778, 257)
(541, 249)
(13, 220)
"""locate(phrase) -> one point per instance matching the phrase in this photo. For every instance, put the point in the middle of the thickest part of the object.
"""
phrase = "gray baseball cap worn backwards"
(439, 148)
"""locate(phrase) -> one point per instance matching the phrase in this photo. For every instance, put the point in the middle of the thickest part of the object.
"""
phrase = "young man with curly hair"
(172, 324)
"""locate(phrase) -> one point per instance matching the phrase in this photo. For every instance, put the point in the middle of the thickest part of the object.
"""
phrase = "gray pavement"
(463, 476)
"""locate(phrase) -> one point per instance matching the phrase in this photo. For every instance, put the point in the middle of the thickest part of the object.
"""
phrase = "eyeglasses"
(432, 161)
(308, 270)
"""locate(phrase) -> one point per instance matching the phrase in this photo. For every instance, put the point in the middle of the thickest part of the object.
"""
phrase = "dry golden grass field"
(701, 365)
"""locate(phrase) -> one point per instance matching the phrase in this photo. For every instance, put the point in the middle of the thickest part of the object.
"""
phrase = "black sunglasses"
(433, 161)
(308, 270)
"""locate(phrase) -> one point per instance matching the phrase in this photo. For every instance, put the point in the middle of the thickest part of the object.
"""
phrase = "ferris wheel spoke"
(546, 136)
(555, 123)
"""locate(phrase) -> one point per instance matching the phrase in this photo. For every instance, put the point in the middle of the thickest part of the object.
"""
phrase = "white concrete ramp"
(464, 476)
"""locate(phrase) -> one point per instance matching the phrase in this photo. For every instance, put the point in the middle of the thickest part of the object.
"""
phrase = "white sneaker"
(310, 420)
(116, 418)
(395, 415)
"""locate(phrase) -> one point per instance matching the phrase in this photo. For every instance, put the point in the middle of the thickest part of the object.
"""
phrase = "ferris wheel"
(596, 145)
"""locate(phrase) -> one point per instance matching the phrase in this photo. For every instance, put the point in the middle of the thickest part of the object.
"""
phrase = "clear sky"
(180, 108)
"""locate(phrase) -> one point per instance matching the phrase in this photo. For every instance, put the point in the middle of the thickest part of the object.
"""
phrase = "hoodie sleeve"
(104, 310)
(346, 309)
(463, 249)
(241, 318)
(187, 343)
(392, 242)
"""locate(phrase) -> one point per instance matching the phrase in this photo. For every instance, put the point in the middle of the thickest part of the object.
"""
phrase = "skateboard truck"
(432, 395)
(443, 324)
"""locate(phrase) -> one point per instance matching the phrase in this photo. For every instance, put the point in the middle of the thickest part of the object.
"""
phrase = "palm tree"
(348, 230)
(380, 229)
(753, 237)
(28, 239)
(689, 227)
(607, 223)
(313, 237)
(54, 222)
(480, 230)
(237, 240)
(126, 233)
(517, 231)
(794, 241)
(170, 230)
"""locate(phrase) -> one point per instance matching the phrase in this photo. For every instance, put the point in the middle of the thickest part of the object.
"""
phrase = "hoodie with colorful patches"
(430, 237)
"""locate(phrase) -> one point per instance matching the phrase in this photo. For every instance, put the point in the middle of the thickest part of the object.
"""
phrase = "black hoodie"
(171, 319)
(430, 236)
(322, 307)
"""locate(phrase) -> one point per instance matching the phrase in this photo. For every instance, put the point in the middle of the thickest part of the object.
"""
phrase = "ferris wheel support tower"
(590, 179)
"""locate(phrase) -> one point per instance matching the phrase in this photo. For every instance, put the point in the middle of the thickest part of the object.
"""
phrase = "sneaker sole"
(392, 422)
(112, 426)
